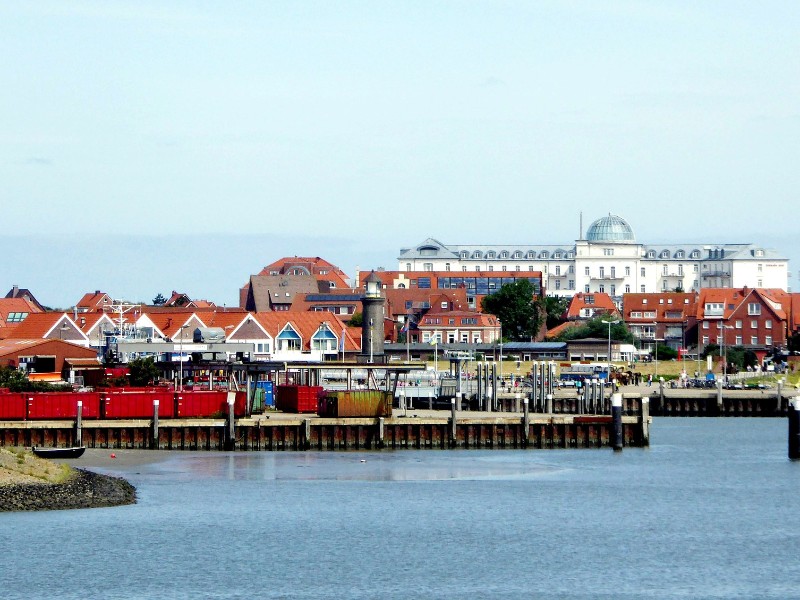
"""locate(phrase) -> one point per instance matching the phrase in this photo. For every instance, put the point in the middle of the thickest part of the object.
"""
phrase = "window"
(705, 325)
(695, 254)
(446, 266)
(627, 288)
(571, 284)
(491, 267)
(602, 272)
(768, 340)
(504, 254)
(753, 308)
(649, 314)
(558, 284)
(753, 324)
(641, 289)
(754, 340)
(490, 254)
(464, 254)
(503, 268)
(665, 254)
(613, 290)
(651, 254)
(760, 283)
(444, 305)
(427, 266)
(694, 268)
(557, 255)
(613, 272)
(608, 252)
(705, 339)
(517, 254)
(464, 267)
(558, 270)
(680, 270)
(768, 323)
(738, 340)
(641, 272)
(679, 254)
(586, 270)
(408, 266)
(571, 269)
(738, 324)
(636, 314)
(517, 268)
(16, 317)
(602, 289)
(424, 282)
(586, 289)
(759, 267)
(665, 270)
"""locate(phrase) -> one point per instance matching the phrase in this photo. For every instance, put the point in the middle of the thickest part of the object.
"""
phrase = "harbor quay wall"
(299, 432)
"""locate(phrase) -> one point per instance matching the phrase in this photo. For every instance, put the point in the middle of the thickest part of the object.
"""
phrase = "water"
(710, 510)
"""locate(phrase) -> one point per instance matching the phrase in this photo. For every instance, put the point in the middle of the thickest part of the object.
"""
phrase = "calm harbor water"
(710, 510)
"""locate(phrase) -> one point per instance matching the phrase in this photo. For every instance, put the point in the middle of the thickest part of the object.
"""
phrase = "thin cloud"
(491, 82)
(39, 161)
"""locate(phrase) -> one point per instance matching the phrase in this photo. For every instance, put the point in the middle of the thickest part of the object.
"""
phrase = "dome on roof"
(610, 229)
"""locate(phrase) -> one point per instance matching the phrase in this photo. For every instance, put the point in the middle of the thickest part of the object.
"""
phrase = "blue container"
(269, 392)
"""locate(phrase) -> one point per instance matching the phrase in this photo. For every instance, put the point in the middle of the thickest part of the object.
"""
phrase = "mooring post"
(794, 429)
(534, 389)
(231, 425)
(661, 392)
(549, 404)
(779, 398)
(526, 421)
(452, 420)
(516, 401)
(381, 422)
(719, 396)
(645, 421)
(306, 434)
(154, 441)
(79, 424)
(616, 419)
(430, 400)
(459, 396)
(494, 386)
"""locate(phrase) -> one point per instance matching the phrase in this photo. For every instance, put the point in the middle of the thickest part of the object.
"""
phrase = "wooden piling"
(794, 429)
(645, 421)
(79, 425)
(154, 440)
(616, 418)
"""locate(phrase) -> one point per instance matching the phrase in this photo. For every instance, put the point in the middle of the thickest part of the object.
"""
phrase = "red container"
(62, 405)
(12, 406)
(298, 398)
(202, 404)
(137, 405)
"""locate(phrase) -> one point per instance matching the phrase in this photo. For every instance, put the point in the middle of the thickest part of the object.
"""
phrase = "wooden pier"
(284, 432)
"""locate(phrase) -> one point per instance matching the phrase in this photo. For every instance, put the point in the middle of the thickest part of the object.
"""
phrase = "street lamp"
(722, 329)
(180, 356)
(608, 372)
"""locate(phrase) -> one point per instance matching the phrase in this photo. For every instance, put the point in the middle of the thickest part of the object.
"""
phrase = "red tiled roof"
(600, 303)
(306, 324)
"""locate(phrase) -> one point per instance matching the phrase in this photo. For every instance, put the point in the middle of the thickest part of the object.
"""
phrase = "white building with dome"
(609, 259)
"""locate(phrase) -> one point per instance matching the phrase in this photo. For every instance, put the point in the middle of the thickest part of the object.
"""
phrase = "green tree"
(519, 311)
(357, 320)
(665, 352)
(17, 381)
(597, 328)
(143, 372)
(554, 308)
(159, 300)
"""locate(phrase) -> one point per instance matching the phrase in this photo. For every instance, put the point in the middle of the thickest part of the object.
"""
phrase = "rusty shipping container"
(356, 403)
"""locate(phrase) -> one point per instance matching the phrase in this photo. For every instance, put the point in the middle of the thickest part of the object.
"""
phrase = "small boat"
(74, 452)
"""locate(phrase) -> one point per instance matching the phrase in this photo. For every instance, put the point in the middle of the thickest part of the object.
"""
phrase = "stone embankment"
(83, 489)
(31, 483)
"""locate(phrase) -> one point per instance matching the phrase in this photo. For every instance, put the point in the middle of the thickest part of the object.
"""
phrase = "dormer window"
(543, 254)
(464, 254)
(531, 254)
(679, 254)
(476, 254)
(518, 254)
(490, 254)
(504, 254)
(695, 254)
(651, 254)
(665, 254)
(557, 255)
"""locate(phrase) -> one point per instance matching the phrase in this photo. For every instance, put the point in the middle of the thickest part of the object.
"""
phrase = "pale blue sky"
(351, 129)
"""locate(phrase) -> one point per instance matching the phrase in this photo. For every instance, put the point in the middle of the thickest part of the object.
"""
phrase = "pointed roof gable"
(93, 301)
(48, 325)
(306, 324)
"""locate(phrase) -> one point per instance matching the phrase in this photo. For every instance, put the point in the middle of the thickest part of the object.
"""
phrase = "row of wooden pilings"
(298, 432)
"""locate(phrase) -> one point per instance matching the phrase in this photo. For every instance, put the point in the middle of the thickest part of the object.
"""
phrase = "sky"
(147, 147)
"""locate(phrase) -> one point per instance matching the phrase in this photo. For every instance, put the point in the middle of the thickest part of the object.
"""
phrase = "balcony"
(716, 274)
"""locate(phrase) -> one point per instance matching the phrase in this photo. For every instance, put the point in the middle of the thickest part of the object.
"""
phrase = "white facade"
(610, 260)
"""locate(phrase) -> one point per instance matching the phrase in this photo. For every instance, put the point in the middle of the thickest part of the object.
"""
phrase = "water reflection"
(356, 466)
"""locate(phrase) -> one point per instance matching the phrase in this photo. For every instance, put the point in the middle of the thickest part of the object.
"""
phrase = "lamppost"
(501, 349)
(723, 354)
(608, 372)
(180, 356)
